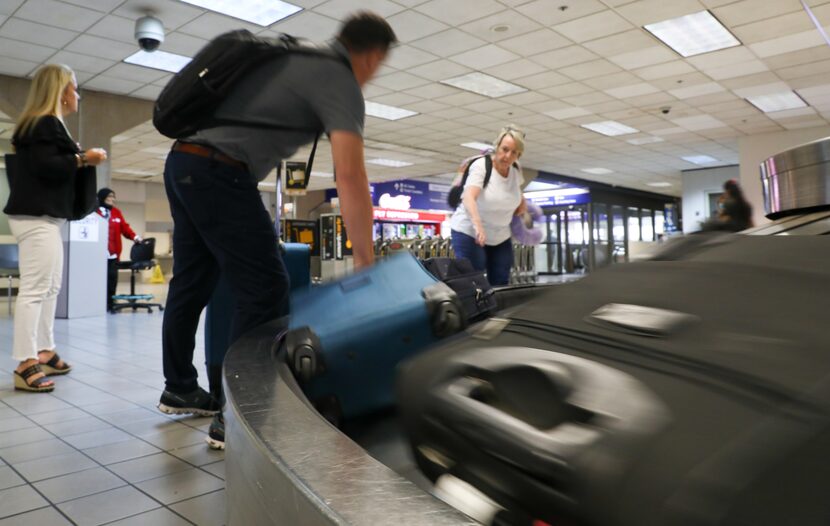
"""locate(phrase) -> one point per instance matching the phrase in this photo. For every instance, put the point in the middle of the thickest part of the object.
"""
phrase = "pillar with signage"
(84, 289)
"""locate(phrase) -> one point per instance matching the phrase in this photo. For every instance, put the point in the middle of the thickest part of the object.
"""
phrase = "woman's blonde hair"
(515, 133)
(44, 96)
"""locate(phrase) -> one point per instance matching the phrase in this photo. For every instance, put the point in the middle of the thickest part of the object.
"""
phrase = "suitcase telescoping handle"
(542, 411)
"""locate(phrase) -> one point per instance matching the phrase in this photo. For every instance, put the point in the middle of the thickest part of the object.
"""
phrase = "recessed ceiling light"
(787, 100)
(484, 85)
(610, 128)
(261, 12)
(480, 146)
(693, 34)
(390, 113)
(659, 184)
(389, 162)
(158, 60)
(500, 28)
(637, 141)
(596, 171)
(700, 159)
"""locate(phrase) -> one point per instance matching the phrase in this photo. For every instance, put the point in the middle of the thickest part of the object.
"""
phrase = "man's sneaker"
(216, 433)
(198, 402)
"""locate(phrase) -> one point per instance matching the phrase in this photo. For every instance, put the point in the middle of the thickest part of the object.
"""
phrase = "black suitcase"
(693, 389)
(472, 287)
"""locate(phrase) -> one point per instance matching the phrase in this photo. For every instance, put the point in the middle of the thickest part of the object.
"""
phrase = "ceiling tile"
(399, 81)
(650, 11)
(33, 33)
(697, 90)
(135, 73)
(82, 62)
(643, 57)
(115, 28)
(15, 67)
(787, 43)
(432, 91)
(211, 25)
(788, 114)
(766, 77)
(544, 12)
(460, 12)
(410, 26)
(632, 90)
(746, 11)
(484, 57)
(698, 122)
(762, 89)
(112, 85)
(516, 25)
(772, 28)
(340, 9)
(587, 99)
(633, 40)
(669, 69)
(172, 13)
(439, 70)
(615, 80)
(404, 57)
(590, 69)
(723, 57)
(24, 51)
(448, 43)
(542, 80)
(535, 42)
(58, 14)
(567, 90)
(560, 58)
(101, 47)
(518, 69)
(8, 7)
(796, 58)
(593, 26)
(737, 70)
(398, 99)
(804, 70)
(309, 25)
(147, 92)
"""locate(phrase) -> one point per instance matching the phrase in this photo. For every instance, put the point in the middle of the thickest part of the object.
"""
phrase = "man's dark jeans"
(220, 226)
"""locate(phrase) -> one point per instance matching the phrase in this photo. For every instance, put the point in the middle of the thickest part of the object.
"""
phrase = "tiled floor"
(96, 450)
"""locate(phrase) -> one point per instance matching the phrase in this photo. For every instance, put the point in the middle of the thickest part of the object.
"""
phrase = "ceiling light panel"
(659, 184)
(481, 146)
(596, 171)
(392, 163)
(610, 128)
(693, 34)
(260, 12)
(700, 159)
(484, 85)
(390, 113)
(158, 60)
(639, 141)
(787, 100)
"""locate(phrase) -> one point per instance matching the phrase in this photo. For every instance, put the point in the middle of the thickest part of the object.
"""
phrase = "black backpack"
(454, 197)
(188, 102)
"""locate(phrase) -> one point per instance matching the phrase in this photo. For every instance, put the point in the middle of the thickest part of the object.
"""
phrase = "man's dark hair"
(365, 31)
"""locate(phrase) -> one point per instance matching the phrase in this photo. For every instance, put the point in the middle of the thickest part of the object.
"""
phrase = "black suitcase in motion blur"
(693, 389)
(474, 291)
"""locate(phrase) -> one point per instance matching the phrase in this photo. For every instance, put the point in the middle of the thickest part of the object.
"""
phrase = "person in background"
(39, 204)
(481, 225)
(118, 227)
(734, 211)
(220, 223)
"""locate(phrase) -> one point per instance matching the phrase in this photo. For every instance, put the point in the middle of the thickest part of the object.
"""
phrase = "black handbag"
(86, 199)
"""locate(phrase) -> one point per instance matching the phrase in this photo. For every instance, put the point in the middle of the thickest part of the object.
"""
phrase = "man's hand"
(353, 191)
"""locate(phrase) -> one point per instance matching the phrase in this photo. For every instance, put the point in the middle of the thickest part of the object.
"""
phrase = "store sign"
(382, 214)
(560, 196)
(407, 195)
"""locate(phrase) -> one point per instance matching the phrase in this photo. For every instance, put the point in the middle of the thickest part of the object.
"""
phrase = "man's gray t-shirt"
(298, 90)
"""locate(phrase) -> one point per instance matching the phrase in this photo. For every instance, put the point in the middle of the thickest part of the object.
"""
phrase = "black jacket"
(45, 184)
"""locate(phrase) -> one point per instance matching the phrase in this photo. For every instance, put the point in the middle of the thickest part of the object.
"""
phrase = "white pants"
(41, 269)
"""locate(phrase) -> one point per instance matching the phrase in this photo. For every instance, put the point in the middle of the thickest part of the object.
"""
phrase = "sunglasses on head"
(514, 130)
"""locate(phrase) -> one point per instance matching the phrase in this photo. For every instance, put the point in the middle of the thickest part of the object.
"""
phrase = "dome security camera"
(149, 32)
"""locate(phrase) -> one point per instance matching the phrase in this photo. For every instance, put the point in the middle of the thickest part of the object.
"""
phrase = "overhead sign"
(296, 178)
(407, 194)
(560, 196)
(382, 214)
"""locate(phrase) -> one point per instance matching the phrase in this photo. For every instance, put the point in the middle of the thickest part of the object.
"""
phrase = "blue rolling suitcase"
(345, 339)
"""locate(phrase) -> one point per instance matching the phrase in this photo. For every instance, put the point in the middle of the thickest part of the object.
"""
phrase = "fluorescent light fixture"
(659, 184)
(322, 174)
(610, 128)
(131, 171)
(158, 60)
(558, 192)
(700, 159)
(596, 171)
(390, 113)
(389, 162)
(268, 185)
(480, 146)
(260, 12)
(484, 85)
(638, 141)
(535, 186)
(787, 100)
(693, 34)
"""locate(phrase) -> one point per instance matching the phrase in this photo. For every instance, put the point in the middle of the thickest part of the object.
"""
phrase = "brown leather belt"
(206, 151)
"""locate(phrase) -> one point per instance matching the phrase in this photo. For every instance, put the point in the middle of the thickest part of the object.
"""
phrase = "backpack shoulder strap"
(488, 166)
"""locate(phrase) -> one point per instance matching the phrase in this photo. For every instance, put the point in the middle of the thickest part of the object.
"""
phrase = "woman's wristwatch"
(81, 159)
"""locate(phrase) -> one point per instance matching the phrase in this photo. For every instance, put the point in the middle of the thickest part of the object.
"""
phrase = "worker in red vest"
(118, 227)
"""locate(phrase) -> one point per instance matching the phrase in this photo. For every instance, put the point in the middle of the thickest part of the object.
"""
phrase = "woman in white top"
(481, 224)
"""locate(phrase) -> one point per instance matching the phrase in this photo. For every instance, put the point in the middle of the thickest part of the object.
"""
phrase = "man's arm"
(353, 191)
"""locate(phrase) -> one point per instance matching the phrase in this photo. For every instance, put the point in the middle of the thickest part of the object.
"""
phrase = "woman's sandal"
(21, 381)
(51, 368)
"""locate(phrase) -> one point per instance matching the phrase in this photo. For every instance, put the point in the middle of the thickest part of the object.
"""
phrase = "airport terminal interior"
(637, 118)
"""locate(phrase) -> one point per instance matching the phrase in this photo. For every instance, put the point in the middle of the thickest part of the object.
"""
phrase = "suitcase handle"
(542, 411)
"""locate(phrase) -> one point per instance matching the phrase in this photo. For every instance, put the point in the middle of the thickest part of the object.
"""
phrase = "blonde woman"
(39, 204)
(481, 225)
